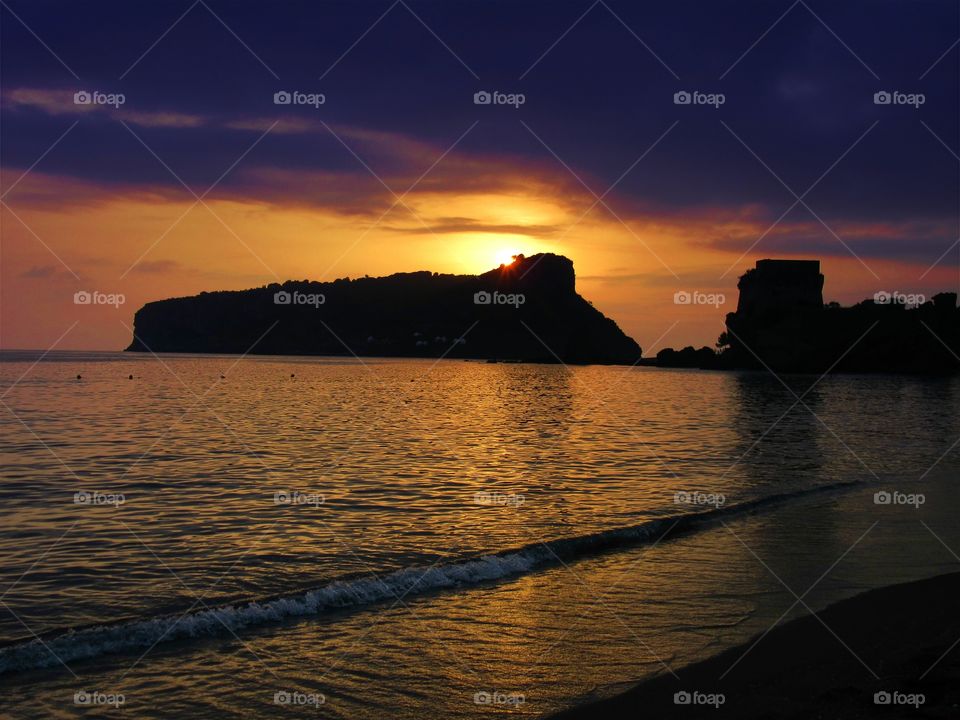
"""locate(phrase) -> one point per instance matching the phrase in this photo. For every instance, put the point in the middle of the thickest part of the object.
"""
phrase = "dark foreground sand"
(800, 670)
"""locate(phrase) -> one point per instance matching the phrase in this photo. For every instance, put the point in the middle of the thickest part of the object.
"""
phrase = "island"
(527, 311)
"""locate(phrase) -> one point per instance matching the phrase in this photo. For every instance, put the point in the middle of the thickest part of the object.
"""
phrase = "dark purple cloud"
(797, 104)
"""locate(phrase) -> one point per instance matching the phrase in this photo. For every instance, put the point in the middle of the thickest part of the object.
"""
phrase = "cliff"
(781, 323)
(502, 314)
(781, 302)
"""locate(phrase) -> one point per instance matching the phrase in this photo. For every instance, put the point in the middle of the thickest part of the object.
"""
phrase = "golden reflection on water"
(399, 451)
(565, 633)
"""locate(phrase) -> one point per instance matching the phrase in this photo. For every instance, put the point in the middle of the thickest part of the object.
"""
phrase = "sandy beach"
(900, 642)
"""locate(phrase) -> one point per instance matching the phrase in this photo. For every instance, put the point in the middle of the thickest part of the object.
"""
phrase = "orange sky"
(173, 158)
(61, 236)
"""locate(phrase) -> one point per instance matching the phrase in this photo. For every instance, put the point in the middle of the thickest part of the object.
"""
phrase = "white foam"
(132, 635)
(121, 637)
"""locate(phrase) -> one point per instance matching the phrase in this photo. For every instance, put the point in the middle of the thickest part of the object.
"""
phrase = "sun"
(505, 257)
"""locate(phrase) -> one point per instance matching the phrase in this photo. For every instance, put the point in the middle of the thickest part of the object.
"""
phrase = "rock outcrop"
(688, 357)
(780, 301)
(526, 311)
(781, 323)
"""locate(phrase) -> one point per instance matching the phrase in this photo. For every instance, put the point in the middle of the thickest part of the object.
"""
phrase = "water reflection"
(399, 450)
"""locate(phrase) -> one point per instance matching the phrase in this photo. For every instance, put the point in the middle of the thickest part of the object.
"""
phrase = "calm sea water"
(270, 537)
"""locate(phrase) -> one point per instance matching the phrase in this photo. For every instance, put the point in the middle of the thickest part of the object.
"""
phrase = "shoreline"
(906, 635)
(26, 355)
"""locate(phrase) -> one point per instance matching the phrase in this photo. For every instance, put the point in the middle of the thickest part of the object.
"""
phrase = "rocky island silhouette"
(782, 323)
(527, 311)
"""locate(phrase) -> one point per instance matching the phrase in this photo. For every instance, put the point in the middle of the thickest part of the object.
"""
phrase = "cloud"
(918, 241)
(162, 119)
(282, 126)
(39, 272)
(52, 102)
(157, 267)
(55, 192)
(472, 225)
(62, 102)
(701, 278)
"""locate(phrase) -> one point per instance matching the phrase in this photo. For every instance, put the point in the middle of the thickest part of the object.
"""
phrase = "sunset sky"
(199, 181)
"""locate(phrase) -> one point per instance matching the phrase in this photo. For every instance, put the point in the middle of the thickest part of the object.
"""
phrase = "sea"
(237, 537)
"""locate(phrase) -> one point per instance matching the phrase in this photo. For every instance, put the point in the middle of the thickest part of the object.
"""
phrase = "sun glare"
(505, 257)
(478, 252)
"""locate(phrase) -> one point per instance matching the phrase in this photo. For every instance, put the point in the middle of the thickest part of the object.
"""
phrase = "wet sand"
(898, 640)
